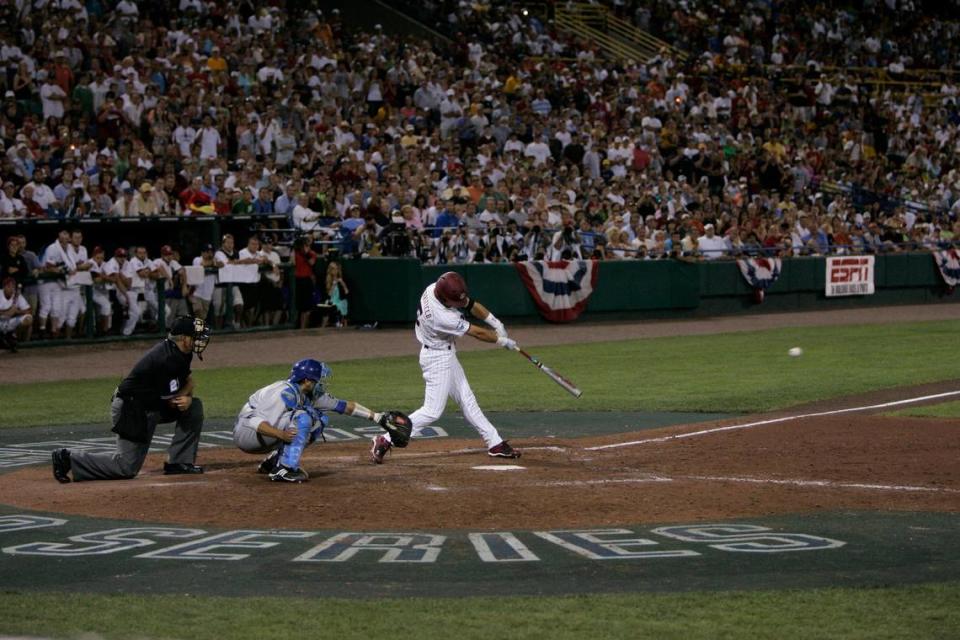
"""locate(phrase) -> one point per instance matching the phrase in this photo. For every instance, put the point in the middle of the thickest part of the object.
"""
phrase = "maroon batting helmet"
(451, 290)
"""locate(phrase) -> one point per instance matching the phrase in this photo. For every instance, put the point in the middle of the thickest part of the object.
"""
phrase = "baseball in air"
(795, 352)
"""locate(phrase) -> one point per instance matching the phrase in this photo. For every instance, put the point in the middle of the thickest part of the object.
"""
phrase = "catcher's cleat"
(61, 465)
(286, 474)
(503, 450)
(269, 463)
(379, 449)
(180, 468)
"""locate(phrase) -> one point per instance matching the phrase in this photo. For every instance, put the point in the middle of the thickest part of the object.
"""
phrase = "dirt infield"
(114, 359)
(823, 463)
(833, 463)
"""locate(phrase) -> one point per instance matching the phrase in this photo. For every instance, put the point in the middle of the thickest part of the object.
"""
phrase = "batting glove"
(507, 343)
(496, 325)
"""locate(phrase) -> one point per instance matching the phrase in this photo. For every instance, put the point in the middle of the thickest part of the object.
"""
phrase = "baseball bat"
(568, 386)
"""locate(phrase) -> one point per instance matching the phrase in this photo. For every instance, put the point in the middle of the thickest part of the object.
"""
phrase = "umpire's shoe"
(61, 465)
(286, 474)
(379, 449)
(503, 450)
(180, 468)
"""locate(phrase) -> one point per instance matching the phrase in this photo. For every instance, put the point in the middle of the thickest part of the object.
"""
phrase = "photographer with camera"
(368, 238)
(395, 238)
(535, 243)
(566, 241)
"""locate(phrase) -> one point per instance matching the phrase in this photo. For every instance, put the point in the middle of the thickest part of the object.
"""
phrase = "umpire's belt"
(446, 348)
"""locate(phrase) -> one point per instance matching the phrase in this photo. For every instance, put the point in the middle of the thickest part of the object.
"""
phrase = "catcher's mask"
(196, 328)
(451, 290)
(310, 369)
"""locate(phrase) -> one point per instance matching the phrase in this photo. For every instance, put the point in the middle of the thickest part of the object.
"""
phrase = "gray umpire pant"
(126, 461)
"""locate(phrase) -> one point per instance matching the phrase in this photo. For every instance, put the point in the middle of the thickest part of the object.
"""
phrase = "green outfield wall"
(386, 289)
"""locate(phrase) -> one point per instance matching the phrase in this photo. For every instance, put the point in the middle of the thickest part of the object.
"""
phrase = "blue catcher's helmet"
(309, 369)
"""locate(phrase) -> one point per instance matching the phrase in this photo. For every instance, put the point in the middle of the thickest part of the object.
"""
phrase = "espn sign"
(850, 276)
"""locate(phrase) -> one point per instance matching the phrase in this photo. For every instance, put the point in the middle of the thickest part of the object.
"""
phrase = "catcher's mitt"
(398, 425)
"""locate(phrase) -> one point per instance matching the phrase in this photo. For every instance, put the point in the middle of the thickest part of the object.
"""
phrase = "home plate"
(498, 467)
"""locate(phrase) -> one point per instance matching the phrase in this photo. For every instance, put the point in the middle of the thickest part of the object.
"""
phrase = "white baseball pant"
(73, 306)
(133, 311)
(47, 299)
(445, 377)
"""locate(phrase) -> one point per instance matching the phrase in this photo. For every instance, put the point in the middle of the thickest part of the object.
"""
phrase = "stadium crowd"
(514, 142)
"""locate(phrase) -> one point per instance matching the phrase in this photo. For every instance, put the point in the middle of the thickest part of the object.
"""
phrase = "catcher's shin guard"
(293, 450)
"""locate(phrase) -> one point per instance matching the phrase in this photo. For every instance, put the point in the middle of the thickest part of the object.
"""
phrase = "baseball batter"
(285, 417)
(439, 323)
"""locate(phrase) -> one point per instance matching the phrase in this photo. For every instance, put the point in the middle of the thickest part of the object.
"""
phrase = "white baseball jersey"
(438, 327)
(130, 269)
(55, 254)
(16, 300)
(10, 324)
(168, 269)
(205, 290)
(79, 257)
(109, 268)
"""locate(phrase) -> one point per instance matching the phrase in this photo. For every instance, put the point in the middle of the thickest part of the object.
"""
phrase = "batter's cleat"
(61, 465)
(180, 468)
(286, 474)
(379, 449)
(503, 450)
(269, 463)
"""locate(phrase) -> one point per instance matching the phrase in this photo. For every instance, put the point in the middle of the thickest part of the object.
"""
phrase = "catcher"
(285, 417)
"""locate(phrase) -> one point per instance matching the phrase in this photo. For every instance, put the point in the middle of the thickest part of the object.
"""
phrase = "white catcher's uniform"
(437, 329)
(276, 404)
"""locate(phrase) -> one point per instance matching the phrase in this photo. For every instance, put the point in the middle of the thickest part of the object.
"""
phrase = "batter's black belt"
(446, 348)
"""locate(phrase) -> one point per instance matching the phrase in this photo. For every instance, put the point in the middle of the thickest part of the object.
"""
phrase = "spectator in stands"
(305, 260)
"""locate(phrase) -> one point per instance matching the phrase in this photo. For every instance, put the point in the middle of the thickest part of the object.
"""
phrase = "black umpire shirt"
(159, 375)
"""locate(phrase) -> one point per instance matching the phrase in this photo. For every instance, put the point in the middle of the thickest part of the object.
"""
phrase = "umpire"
(158, 389)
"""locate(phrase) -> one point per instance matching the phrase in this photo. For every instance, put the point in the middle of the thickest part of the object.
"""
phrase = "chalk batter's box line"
(760, 423)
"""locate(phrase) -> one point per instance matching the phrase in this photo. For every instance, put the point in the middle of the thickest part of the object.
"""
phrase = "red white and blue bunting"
(948, 262)
(760, 273)
(559, 289)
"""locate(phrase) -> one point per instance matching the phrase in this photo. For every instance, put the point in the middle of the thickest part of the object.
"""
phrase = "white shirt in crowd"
(209, 143)
(251, 271)
(51, 98)
(183, 137)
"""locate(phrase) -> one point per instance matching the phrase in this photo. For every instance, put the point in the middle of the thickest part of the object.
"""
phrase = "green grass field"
(923, 611)
(942, 410)
(744, 372)
(736, 372)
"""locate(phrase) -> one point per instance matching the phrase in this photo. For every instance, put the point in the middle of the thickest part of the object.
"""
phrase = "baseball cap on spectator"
(9, 280)
(9, 94)
(146, 187)
(207, 247)
(97, 249)
(120, 252)
(166, 250)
